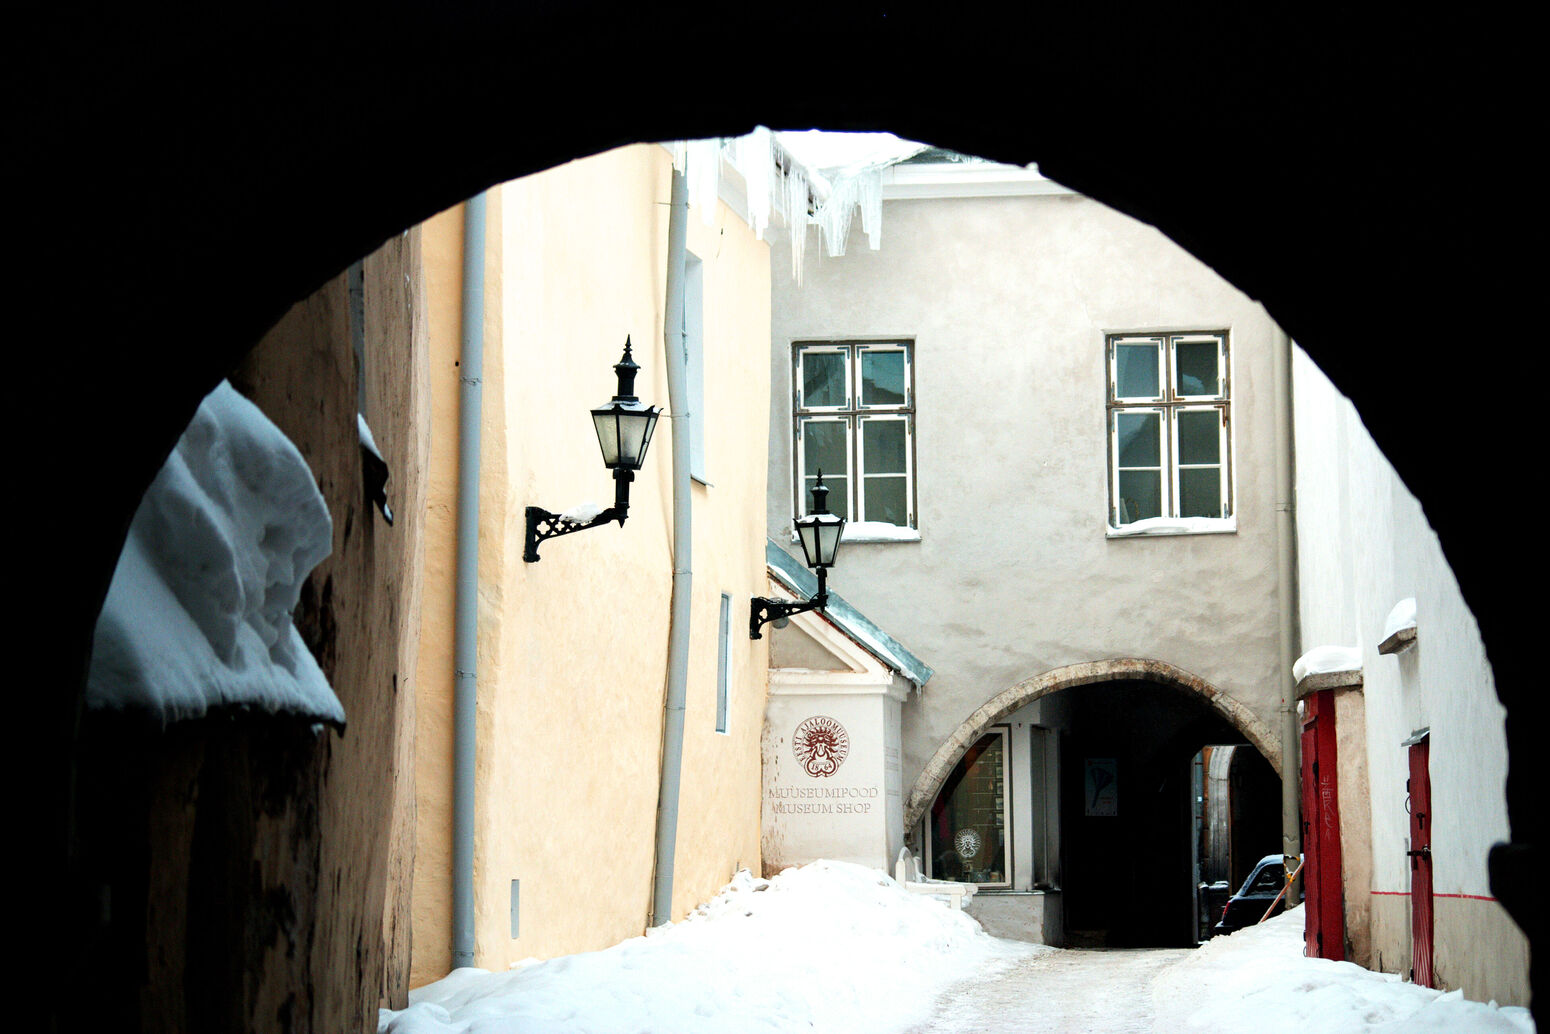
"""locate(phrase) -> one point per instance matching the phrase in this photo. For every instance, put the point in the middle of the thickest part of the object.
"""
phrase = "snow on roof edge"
(791, 573)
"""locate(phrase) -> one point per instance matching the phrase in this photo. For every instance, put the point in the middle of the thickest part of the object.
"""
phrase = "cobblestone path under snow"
(1066, 991)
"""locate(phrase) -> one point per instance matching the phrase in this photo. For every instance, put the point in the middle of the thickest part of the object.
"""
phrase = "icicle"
(704, 177)
(870, 197)
(756, 160)
(796, 218)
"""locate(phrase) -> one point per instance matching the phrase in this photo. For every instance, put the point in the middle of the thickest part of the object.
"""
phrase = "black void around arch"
(187, 176)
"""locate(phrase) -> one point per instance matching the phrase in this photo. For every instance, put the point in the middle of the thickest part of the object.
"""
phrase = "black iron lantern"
(624, 425)
(819, 533)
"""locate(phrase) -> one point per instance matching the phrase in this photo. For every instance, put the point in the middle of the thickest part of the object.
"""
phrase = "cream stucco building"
(572, 650)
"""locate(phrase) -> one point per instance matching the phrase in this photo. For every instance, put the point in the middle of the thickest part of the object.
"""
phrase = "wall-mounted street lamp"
(819, 533)
(624, 425)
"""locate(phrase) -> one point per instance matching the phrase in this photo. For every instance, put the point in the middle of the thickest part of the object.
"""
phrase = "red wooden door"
(1420, 803)
(1324, 916)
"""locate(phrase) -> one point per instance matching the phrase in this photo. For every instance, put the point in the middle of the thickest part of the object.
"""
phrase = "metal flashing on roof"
(792, 574)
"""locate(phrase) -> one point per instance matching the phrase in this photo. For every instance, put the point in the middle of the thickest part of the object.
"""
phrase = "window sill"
(1154, 527)
(873, 531)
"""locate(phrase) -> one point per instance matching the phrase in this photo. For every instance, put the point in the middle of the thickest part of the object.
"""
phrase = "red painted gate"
(1324, 916)
(1419, 786)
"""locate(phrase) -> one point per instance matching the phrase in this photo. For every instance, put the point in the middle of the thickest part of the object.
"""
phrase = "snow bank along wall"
(248, 862)
(1007, 301)
(1364, 545)
(572, 649)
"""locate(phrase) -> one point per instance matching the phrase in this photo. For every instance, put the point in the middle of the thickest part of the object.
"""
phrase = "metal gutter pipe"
(673, 334)
(1286, 602)
(466, 601)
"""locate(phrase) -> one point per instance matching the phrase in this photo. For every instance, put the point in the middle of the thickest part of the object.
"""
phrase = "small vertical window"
(855, 422)
(724, 664)
(1170, 449)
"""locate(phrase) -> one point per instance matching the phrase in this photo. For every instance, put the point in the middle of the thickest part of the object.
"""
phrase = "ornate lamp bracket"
(763, 609)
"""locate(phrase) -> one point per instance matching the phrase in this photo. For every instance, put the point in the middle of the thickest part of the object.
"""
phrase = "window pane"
(823, 379)
(1140, 495)
(1140, 439)
(1195, 366)
(823, 449)
(1200, 436)
(1135, 371)
(839, 494)
(1200, 492)
(882, 447)
(886, 500)
(968, 818)
(882, 378)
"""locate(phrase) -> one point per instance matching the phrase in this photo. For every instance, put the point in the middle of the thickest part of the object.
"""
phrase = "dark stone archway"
(189, 173)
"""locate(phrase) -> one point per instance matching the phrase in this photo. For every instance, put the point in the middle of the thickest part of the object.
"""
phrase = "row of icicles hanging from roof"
(781, 186)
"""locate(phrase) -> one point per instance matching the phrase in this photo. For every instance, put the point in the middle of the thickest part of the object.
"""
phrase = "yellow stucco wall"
(572, 650)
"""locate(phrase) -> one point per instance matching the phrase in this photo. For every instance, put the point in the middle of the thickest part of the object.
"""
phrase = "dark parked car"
(1246, 907)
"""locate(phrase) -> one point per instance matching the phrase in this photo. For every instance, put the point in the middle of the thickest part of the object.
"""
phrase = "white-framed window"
(968, 828)
(1169, 426)
(854, 409)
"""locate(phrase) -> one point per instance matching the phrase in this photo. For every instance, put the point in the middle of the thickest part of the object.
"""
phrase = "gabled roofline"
(791, 574)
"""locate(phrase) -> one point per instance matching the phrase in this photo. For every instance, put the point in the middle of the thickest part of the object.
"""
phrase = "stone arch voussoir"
(1128, 669)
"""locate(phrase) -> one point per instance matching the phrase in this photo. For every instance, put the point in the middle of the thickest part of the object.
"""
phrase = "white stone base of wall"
(1032, 916)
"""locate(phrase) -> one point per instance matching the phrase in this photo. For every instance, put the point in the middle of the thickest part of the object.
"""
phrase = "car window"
(1268, 880)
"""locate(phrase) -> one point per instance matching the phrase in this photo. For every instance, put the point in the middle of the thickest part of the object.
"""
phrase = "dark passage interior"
(1129, 852)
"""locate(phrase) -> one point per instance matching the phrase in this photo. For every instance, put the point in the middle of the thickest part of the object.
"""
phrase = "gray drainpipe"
(683, 574)
(466, 606)
(1286, 604)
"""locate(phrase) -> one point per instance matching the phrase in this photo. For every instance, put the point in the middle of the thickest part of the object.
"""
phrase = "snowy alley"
(835, 947)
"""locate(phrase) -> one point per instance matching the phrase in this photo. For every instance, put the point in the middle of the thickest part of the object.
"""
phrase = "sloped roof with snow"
(795, 576)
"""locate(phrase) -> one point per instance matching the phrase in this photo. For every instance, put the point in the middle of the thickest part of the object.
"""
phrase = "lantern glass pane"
(808, 535)
(607, 436)
(829, 541)
(632, 439)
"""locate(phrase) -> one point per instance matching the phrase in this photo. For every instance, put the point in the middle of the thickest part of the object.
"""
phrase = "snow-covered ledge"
(873, 531)
(1328, 667)
(1156, 526)
(1399, 629)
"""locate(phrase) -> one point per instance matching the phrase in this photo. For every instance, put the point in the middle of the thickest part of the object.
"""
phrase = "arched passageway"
(1079, 784)
(188, 179)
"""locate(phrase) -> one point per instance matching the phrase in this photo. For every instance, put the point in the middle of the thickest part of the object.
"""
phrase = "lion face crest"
(820, 744)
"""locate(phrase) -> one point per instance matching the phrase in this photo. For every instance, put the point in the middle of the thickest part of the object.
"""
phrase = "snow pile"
(363, 432)
(1175, 526)
(828, 947)
(1256, 981)
(199, 611)
(1322, 660)
(1400, 618)
(582, 513)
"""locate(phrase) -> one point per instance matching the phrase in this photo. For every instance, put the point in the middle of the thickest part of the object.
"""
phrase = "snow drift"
(198, 615)
(830, 947)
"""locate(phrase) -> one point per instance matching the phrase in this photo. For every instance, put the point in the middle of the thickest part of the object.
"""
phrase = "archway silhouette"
(189, 174)
(1071, 676)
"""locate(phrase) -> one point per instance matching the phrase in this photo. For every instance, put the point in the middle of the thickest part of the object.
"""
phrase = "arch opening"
(1085, 789)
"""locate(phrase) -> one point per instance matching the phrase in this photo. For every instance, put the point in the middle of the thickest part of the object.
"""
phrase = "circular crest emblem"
(967, 843)
(821, 744)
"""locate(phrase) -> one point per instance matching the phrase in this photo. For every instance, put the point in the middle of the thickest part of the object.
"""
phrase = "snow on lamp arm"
(819, 534)
(624, 425)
